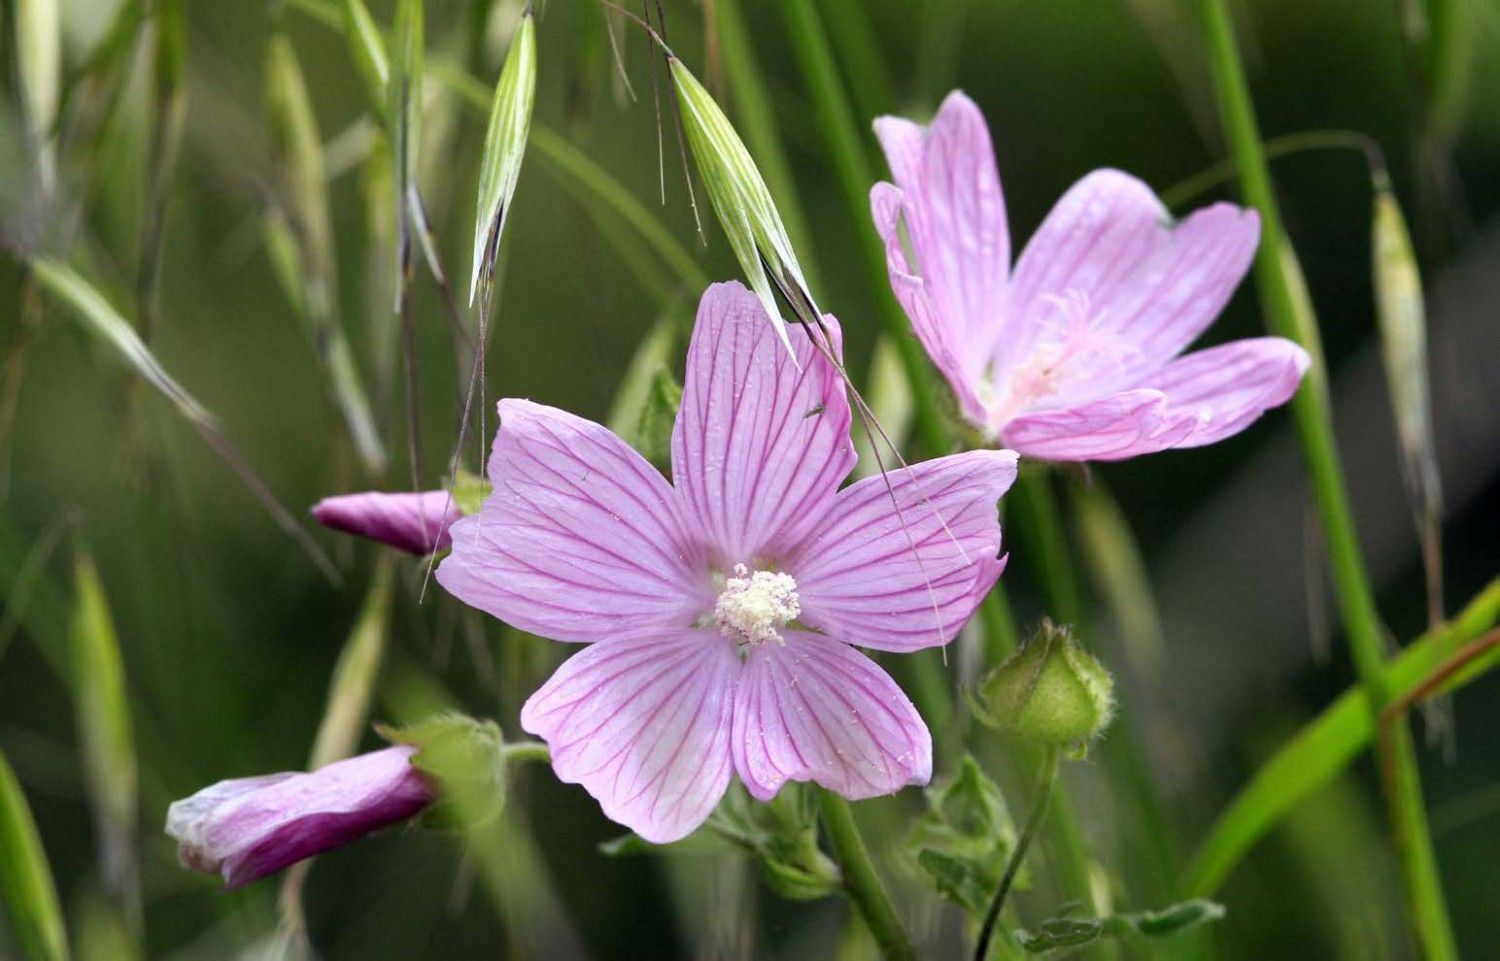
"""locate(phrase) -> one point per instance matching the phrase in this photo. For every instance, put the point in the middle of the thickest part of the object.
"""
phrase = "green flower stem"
(860, 880)
(520, 752)
(1040, 524)
(1289, 313)
(1050, 765)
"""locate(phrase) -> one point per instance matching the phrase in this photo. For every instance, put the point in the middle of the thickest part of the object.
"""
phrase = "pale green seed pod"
(1402, 316)
(1051, 691)
(504, 147)
(742, 202)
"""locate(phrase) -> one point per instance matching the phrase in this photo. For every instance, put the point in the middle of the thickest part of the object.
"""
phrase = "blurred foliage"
(228, 635)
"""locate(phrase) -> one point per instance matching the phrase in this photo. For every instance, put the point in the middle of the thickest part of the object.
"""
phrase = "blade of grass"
(101, 702)
(168, 110)
(1326, 746)
(346, 714)
(1289, 312)
(26, 878)
(101, 320)
(39, 68)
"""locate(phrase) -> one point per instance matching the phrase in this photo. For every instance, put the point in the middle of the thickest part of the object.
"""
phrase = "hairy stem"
(861, 883)
(1018, 856)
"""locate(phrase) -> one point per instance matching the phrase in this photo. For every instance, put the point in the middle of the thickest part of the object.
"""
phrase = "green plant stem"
(1289, 313)
(1039, 519)
(1275, 148)
(1018, 856)
(522, 752)
(861, 882)
(1326, 746)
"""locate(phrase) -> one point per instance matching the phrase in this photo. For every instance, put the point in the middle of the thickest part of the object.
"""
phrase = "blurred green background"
(229, 634)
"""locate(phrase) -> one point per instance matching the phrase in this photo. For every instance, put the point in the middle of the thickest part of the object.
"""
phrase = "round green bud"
(1051, 691)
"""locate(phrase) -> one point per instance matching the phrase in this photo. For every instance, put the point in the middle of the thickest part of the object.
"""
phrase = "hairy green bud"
(1051, 691)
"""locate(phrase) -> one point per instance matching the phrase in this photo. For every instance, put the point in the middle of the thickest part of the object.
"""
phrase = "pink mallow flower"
(414, 522)
(247, 828)
(1074, 354)
(721, 609)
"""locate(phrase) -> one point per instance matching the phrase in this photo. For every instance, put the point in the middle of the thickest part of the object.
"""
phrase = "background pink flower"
(1074, 355)
(720, 609)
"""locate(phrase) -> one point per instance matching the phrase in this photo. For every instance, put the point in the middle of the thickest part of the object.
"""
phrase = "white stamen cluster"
(753, 606)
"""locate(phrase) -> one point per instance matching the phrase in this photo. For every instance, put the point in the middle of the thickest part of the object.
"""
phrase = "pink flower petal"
(1230, 386)
(760, 445)
(815, 709)
(859, 578)
(1122, 425)
(414, 522)
(581, 538)
(950, 200)
(251, 827)
(1150, 285)
(643, 724)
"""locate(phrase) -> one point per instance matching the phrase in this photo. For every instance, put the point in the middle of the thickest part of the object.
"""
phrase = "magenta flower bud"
(417, 523)
(248, 828)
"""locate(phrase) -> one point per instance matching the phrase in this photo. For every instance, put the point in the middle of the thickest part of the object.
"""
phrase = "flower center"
(1074, 349)
(752, 606)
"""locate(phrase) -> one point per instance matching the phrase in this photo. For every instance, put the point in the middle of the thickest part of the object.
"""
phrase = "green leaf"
(104, 728)
(367, 50)
(466, 757)
(1325, 746)
(963, 839)
(1057, 933)
(25, 877)
(504, 146)
(1070, 932)
(469, 491)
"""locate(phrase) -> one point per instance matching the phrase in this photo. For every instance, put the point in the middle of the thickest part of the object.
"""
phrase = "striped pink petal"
(947, 193)
(1230, 386)
(762, 439)
(643, 724)
(1119, 426)
(905, 573)
(414, 522)
(248, 828)
(1148, 286)
(581, 538)
(815, 709)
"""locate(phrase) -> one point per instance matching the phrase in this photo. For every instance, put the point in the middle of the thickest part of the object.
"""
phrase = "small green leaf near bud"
(962, 841)
(1051, 691)
(470, 491)
(466, 758)
(504, 146)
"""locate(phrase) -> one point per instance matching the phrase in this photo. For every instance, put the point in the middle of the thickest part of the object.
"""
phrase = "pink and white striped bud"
(414, 522)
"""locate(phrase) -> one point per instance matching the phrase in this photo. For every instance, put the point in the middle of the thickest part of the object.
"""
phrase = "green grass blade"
(39, 66)
(101, 703)
(347, 710)
(26, 878)
(1326, 746)
(100, 320)
(168, 111)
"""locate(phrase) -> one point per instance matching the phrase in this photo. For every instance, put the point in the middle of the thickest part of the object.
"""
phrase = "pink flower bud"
(248, 828)
(417, 523)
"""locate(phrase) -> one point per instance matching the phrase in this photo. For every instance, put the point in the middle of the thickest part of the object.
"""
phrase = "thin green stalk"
(860, 880)
(1039, 519)
(835, 120)
(1275, 148)
(1018, 856)
(1289, 313)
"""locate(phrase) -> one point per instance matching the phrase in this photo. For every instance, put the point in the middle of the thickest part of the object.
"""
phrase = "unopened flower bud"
(1052, 691)
(414, 522)
(247, 828)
